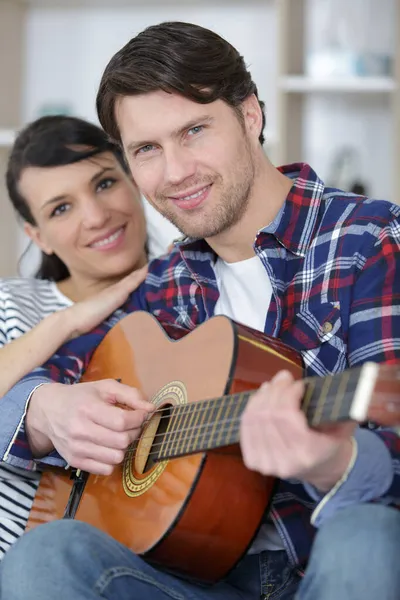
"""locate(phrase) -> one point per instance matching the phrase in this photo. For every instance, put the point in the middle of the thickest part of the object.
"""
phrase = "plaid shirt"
(332, 258)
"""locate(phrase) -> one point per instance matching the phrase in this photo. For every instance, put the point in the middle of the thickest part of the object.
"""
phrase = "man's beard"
(223, 215)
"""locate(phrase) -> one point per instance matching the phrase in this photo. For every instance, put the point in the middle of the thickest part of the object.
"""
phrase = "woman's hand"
(87, 314)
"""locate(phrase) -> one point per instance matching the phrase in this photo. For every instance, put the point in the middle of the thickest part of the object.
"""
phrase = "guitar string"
(229, 397)
(199, 429)
(184, 409)
(195, 428)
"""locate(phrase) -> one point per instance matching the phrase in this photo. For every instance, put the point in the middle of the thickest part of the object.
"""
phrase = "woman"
(69, 185)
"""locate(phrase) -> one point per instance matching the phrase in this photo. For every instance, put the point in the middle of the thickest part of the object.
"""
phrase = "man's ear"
(33, 233)
(252, 115)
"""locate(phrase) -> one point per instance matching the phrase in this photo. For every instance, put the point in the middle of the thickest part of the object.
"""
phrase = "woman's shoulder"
(24, 302)
(27, 286)
(40, 294)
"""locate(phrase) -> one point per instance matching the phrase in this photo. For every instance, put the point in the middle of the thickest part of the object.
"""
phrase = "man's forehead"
(158, 113)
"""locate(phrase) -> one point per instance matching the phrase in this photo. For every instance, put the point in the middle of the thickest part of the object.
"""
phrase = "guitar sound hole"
(160, 436)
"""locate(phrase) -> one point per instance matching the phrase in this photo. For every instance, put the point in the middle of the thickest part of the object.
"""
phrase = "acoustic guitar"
(182, 498)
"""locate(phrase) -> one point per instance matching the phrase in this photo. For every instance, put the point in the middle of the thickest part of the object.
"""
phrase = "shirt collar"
(295, 224)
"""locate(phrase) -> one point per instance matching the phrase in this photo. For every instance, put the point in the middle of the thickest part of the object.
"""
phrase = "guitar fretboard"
(214, 423)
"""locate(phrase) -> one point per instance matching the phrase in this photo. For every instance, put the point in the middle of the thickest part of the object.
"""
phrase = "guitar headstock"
(383, 405)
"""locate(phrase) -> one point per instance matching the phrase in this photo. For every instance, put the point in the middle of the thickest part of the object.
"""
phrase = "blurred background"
(328, 71)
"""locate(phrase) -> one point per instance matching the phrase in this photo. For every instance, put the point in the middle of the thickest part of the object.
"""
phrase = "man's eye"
(195, 130)
(145, 149)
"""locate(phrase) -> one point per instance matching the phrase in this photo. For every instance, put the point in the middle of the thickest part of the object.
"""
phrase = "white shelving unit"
(7, 137)
(358, 85)
(359, 96)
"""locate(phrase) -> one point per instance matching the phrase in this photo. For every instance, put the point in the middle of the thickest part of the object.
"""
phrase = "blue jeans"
(355, 557)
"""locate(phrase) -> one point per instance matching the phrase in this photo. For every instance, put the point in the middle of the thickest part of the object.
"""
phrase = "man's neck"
(268, 195)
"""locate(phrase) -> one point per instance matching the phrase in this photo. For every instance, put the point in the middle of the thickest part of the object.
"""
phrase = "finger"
(119, 419)
(93, 466)
(87, 450)
(134, 279)
(274, 387)
(115, 392)
(256, 447)
(285, 392)
(109, 438)
(283, 376)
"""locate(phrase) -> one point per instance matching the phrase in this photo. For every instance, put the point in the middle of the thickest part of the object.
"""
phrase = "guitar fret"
(348, 397)
(232, 436)
(180, 431)
(193, 434)
(308, 395)
(190, 429)
(232, 402)
(215, 423)
(318, 411)
(207, 418)
(340, 394)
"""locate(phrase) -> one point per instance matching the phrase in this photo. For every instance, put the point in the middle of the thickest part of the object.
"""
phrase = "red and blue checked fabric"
(333, 259)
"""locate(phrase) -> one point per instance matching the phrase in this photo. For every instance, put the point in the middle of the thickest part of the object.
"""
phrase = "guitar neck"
(215, 423)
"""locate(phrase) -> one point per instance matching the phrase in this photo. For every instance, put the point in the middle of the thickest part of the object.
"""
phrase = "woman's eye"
(59, 210)
(105, 184)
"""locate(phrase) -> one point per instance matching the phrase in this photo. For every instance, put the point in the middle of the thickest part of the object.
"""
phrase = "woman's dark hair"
(53, 141)
(175, 57)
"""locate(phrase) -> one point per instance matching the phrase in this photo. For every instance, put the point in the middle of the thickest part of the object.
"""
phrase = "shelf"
(303, 85)
(7, 137)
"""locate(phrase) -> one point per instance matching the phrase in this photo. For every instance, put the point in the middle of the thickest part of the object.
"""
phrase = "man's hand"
(276, 439)
(89, 424)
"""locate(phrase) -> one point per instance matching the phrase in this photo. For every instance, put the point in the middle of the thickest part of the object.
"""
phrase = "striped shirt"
(23, 304)
(333, 260)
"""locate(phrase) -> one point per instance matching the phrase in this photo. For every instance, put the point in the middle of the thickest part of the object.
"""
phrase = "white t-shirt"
(23, 304)
(245, 295)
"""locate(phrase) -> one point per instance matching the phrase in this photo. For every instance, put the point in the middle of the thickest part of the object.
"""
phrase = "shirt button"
(327, 327)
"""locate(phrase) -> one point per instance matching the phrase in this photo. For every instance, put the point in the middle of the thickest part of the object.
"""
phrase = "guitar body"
(196, 514)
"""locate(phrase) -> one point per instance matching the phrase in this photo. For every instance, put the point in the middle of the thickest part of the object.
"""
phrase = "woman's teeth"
(108, 240)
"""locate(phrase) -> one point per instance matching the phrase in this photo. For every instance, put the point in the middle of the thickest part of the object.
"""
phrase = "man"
(274, 249)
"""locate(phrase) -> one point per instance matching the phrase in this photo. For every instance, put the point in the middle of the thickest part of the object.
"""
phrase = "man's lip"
(195, 202)
(106, 235)
(183, 195)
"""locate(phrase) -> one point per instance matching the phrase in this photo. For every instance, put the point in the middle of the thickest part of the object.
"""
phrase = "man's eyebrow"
(200, 120)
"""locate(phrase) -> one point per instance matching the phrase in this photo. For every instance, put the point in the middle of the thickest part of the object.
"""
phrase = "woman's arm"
(35, 347)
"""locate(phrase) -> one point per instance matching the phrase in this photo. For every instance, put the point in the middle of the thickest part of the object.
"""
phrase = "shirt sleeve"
(369, 477)
(374, 335)
(3, 322)
(374, 332)
(67, 367)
